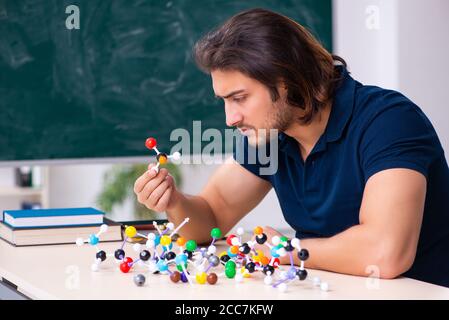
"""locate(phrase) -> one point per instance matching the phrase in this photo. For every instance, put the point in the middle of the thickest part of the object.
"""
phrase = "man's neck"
(308, 135)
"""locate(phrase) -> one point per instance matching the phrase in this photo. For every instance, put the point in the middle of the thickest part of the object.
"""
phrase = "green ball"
(179, 267)
(191, 245)
(284, 239)
(230, 273)
(215, 233)
(230, 264)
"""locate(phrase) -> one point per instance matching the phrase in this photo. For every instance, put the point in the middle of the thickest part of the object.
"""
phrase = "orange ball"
(264, 260)
(162, 159)
(234, 249)
(181, 241)
(258, 230)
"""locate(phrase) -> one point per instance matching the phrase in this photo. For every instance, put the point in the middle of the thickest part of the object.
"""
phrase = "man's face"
(248, 105)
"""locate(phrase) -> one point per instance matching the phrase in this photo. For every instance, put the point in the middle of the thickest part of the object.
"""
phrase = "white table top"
(63, 272)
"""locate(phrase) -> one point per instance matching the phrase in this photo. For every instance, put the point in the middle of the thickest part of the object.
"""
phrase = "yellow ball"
(201, 277)
(165, 240)
(245, 274)
(130, 232)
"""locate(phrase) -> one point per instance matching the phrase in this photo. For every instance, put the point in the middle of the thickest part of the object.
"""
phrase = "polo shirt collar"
(342, 108)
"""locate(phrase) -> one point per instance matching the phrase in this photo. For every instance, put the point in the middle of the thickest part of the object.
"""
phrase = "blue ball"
(274, 253)
(93, 239)
(162, 265)
(181, 259)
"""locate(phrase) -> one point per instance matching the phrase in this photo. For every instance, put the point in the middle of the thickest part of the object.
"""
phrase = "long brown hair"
(270, 48)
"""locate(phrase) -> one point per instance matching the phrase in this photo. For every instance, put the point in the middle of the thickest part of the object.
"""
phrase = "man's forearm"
(354, 251)
(201, 216)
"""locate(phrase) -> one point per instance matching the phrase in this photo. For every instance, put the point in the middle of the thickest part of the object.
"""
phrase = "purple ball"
(183, 277)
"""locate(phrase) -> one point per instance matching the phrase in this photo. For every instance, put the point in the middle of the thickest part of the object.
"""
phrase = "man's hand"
(270, 233)
(156, 190)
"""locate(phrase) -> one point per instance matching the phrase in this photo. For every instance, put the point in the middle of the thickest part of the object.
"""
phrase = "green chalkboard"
(127, 73)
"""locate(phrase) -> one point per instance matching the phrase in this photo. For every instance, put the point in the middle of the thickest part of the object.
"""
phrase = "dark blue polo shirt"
(370, 129)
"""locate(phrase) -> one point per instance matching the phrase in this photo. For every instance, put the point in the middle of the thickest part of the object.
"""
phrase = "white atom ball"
(324, 286)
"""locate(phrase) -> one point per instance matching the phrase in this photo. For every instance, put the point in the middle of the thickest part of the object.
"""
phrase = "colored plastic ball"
(180, 267)
(225, 258)
(230, 273)
(119, 254)
(188, 253)
(268, 269)
(230, 264)
(288, 247)
(215, 233)
(264, 260)
(245, 248)
(232, 255)
(170, 255)
(229, 239)
(101, 255)
(175, 276)
(251, 267)
(181, 241)
(162, 265)
(258, 230)
(139, 280)
(181, 258)
(274, 252)
(212, 278)
(303, 254)
(302, 274)
(150, 143)
(93, 239)
(165, 240)
(261, 239)
(284, 239)
(234, 249)
(162, 158)
(214, 261)
(145, 255)
(184, 277)
(125, 266)
(191, 245)
(130, 232)
(201, 277)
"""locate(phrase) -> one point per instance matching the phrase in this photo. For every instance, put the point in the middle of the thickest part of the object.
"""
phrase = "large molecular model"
(162, 158)
(197, 265)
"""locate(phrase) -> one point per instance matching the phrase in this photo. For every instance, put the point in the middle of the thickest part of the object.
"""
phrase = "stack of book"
(55, 226)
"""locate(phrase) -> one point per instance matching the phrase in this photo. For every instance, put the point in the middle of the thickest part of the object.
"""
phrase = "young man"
(362, 177)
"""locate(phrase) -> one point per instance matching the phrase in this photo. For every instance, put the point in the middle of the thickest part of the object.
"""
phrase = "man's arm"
(229, 195)
(387, 236)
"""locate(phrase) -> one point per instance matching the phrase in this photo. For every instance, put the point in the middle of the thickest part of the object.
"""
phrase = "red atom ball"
(125, 266)
(229, 239)
(150, 143)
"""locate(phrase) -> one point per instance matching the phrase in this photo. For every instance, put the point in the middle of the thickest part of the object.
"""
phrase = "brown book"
(21, 237)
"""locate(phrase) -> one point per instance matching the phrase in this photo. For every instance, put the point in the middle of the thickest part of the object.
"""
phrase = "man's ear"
(282, 89)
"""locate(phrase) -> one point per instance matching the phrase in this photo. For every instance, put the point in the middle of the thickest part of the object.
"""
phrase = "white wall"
(401, 45)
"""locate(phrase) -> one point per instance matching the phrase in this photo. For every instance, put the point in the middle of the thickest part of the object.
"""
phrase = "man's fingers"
(163, 201)
(151, 185)
(157, 193)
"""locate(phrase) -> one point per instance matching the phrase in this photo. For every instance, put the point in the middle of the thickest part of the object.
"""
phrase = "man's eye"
(238, 99)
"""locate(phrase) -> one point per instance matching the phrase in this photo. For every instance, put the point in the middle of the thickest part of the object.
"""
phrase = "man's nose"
(233, 117)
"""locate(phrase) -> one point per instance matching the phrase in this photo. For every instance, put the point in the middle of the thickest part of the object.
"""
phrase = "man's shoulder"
(373, 104)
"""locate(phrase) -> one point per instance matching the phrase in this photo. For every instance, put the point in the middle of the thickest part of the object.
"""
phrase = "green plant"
(119, 186)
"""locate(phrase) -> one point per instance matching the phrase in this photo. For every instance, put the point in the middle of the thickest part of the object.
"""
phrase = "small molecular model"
(192, 264)
(162, 158)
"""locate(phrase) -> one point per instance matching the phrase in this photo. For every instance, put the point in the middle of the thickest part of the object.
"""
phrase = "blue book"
(50, 218)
